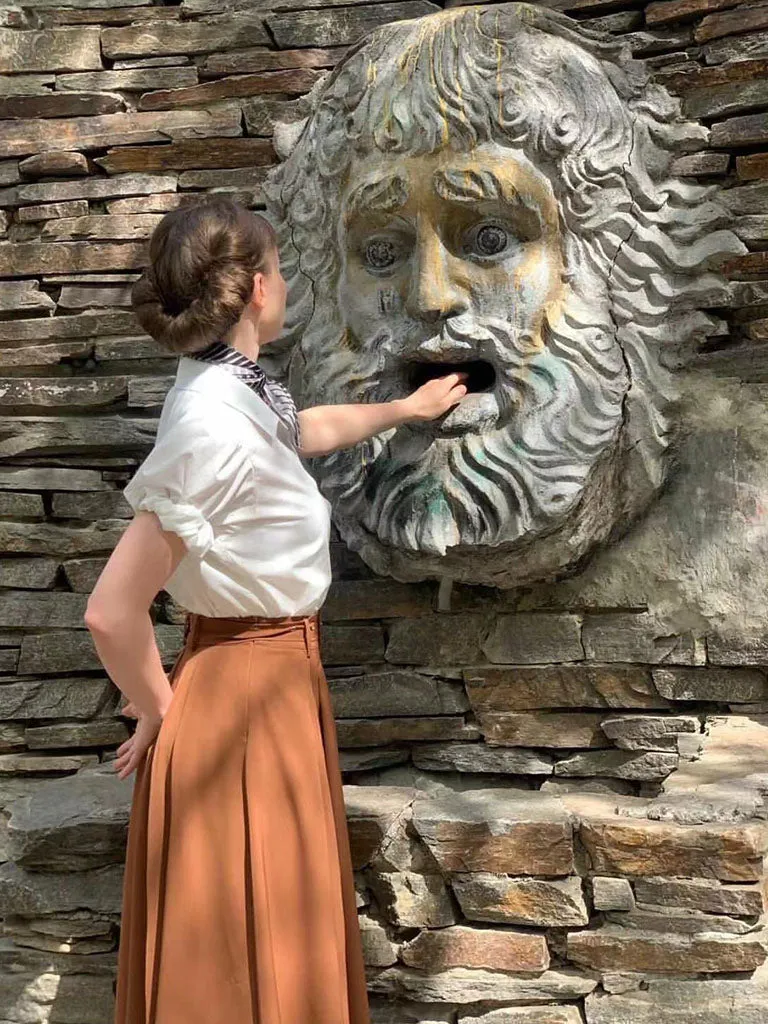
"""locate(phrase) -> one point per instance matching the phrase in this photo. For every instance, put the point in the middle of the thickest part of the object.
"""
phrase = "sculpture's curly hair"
(641, 246)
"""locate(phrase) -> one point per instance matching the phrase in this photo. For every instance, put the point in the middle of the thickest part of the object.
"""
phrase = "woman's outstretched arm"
(324, 428)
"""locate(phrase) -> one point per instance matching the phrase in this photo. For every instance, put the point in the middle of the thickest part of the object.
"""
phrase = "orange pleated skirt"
(239, 901)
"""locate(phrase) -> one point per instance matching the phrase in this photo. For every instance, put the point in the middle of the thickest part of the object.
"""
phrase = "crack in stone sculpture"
(489, 189)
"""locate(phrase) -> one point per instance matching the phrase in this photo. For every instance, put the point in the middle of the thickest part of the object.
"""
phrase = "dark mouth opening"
(481, 376)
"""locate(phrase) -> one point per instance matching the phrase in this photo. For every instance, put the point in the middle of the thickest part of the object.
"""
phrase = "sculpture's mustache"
(463, 339)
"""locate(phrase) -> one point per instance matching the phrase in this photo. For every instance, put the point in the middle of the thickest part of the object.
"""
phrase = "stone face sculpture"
(488, 189)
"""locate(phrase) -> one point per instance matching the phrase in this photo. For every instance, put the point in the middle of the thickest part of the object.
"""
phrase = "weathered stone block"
(412, 900)
(352, 645)
(339, 27)
(682, 1002)
(31, 894)
(371, 732)
(371, 813)
(378, 949)
(132, 80)
(678, 922)
(25, 763)
(102, 227)
(560, 686)
(71, 824)
(52, 610)
(710, 684)
(82, 573)
(74, 652)
(23, 296)
(612, 894)
(101, 733)
(99, 505)
(258, 59)
(526, 1015)
(531, 639)
(55, 163)
(90, 188)
(461, 986)
(708, 896)
(377, 599)
(634, 637)
(21, 506)
(59, 257)
(528, 901)
(60, 105)
(543, 729)
(29, 573)
(476, 757)
(662, 11)
(364, 759)
(287, 83)
(701, 164)
(728, 23)
(619, 764)
(749, 130)
(51, 211)
(651, 848)
(490, 949)
(649, 732)
(61, 49)
(614, 948)
(437, 640)
(20, 138)
(396, 693)
(228, 32)
(74, 297)
(492, 830)
(203, 154)
(55, 698)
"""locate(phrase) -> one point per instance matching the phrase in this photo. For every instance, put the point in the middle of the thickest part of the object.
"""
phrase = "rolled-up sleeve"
(189, 480)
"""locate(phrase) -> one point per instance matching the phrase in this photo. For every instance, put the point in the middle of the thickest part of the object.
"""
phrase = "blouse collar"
(218, 383)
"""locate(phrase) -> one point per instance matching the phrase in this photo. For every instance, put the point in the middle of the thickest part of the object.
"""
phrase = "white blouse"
(224, 476)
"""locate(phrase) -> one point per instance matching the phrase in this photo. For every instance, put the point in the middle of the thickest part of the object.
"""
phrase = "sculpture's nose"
(435, 293)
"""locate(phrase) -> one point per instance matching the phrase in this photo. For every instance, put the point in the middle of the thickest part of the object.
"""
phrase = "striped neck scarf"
(274, 394)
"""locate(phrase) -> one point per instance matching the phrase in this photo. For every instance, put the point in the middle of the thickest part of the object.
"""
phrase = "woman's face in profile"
(275, 290)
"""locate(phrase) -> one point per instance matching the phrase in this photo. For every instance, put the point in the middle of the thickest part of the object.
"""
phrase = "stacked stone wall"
(555, 803)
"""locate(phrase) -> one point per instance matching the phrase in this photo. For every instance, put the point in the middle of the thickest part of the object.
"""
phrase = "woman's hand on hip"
(131, 753)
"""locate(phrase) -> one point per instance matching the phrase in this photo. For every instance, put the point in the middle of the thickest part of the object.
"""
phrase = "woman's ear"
(258, 296)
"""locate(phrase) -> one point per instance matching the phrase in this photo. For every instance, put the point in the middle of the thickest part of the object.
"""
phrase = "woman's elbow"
(100, 617)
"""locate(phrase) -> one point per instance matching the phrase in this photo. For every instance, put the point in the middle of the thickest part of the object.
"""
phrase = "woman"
(239, 903)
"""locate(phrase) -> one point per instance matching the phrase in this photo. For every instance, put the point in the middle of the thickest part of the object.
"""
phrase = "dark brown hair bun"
(200, 277)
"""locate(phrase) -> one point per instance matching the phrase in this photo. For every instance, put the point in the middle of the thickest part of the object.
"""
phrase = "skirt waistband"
(206, 629)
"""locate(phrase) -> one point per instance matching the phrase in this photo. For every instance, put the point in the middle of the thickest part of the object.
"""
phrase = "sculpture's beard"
(515, 462)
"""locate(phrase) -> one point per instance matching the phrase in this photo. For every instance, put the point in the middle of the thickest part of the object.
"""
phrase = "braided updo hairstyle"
(200, 276)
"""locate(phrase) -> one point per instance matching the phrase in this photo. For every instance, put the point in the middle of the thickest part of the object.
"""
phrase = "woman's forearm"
(129, 653)
(324, 428)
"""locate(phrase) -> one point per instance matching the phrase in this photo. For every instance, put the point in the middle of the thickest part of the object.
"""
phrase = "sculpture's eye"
(380, 254)
(487, 241)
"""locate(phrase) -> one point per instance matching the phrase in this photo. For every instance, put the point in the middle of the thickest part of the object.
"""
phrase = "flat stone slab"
(492, 830)
(72, 824)
(460, 985)
(490, 949)
(536, 902)
(682, 1002)
(612, 948)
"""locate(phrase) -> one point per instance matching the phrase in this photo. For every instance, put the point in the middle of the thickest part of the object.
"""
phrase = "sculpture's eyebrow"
(380, 195)
(472, 186)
